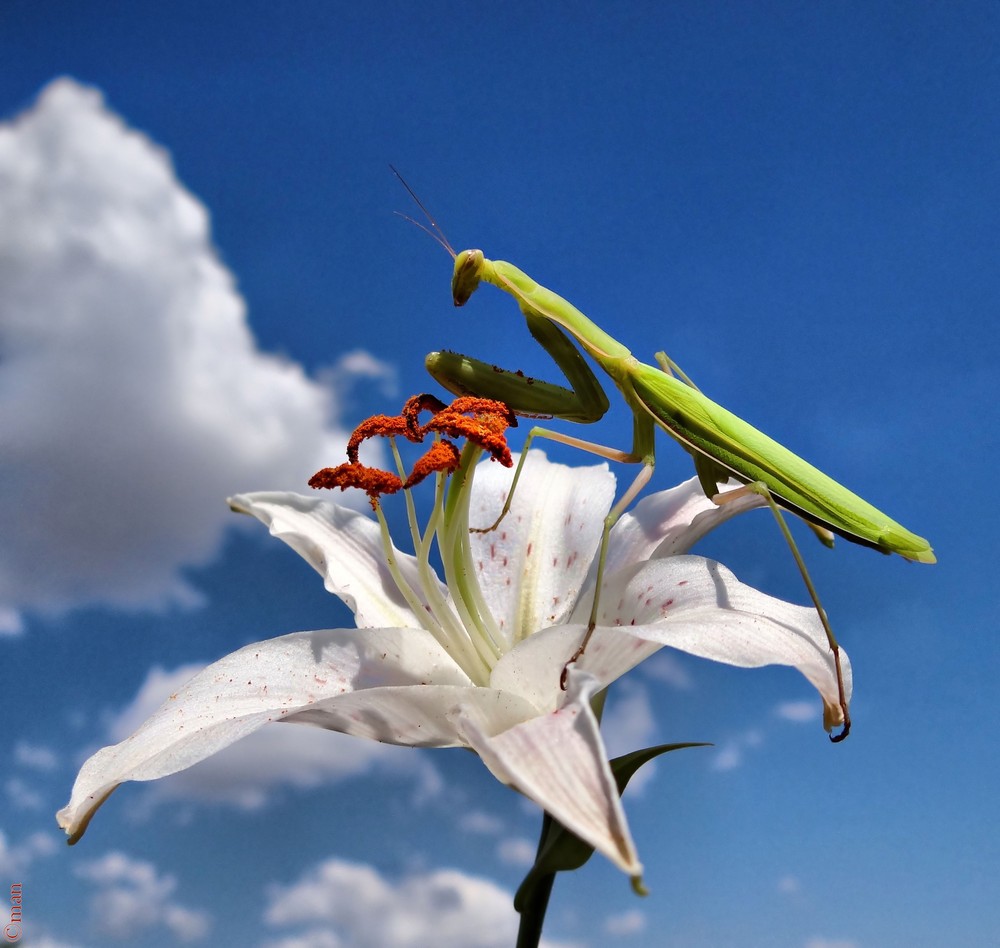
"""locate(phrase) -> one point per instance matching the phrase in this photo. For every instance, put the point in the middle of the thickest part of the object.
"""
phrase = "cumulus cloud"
(133, 396)
(297, 756)
(133, 898)
(348, 903)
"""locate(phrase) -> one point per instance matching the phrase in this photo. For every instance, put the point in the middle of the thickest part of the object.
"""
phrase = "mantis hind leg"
(672, 368)
(762, 490)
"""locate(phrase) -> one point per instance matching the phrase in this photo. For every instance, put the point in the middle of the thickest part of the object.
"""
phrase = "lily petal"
(533, 565)
(699, 606)
(533, 668)
(345, 548)
(559, 761)
(272, 681)
(670, 522)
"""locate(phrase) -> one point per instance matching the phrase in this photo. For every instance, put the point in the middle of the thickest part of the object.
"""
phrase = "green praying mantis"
(722, 445)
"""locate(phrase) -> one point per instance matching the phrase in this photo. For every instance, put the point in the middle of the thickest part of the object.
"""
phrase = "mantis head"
(469, 265)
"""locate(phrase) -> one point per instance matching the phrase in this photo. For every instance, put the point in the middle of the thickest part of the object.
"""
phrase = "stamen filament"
(476, 667)
(448, 630)
(456, 555)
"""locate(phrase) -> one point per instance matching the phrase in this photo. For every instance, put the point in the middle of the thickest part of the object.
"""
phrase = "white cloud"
(831, 943)
(478, 821)
(357, 365)
(14, 860)
(22, 796)
(666, 667)
(35, 756)
(297, 756)
(353, 904)
(628, 722)
(133, 897)
(729, 755)
(517, 851)
(39, 939)
(133, 397)
(11, 622)
(628, 725)
(801, 712)
(626, 923)
(789, 885)
(320, 938)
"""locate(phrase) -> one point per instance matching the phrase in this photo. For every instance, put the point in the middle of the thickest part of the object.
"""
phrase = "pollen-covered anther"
(415, 404)
(384, 426)
(490, 419)
(441, 457)
(485, 407)
(371, 480)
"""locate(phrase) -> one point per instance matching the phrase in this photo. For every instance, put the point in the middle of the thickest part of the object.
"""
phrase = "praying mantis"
(722, 445)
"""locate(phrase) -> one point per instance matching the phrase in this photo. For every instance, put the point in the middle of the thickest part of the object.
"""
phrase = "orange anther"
(440, 456)
(486, 426)
(373, 481)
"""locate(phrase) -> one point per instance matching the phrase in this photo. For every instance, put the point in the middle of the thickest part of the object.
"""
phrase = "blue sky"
(796, 201)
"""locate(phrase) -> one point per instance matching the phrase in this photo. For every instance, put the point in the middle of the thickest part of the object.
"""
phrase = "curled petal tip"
(835, 715)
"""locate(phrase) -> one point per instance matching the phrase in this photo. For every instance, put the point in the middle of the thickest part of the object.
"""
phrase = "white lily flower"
(475, 660)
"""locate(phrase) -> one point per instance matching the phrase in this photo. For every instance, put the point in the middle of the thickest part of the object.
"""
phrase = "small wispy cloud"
(666, 667)
(629, 724)
(789, 885)
(624, 924)
(480, 822)
(22, 796)
(731, 752)
(517, 851)
(35, 756)
(800, 712)
(15, 859)
(11, 622)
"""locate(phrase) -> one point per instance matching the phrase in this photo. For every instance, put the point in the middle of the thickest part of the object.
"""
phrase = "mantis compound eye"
(467, 274)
